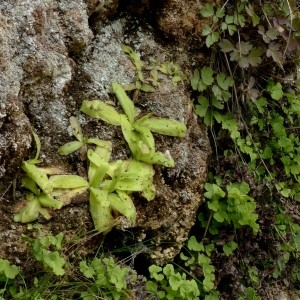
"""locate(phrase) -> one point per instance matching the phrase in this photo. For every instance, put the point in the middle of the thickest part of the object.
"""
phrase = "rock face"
(54, 54)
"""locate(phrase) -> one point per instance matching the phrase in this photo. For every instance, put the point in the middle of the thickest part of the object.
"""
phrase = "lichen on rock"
(57, 54)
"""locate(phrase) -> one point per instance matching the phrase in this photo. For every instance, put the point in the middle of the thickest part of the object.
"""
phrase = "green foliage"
(215, 92)
(137, 133)
(254, 120)
(7, 271)
(233, 206)
(106, 275)
(249, 294)
(169, 284)
(110, 183)
(197, 259)
(148, 83)
(47, 250)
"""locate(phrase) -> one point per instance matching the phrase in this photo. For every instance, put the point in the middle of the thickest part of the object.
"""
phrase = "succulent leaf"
(165, 126)
(100, 210)
(70, 147)
(122, 203)
(39, 176)
(100, 110)
(125, 101)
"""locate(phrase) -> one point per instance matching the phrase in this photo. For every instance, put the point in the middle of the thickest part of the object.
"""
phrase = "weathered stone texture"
(53, 55)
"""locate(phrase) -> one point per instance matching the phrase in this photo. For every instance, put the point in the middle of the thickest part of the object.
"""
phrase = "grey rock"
(50, 60)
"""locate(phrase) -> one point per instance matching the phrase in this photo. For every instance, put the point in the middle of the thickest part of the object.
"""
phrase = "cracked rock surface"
(55, 54)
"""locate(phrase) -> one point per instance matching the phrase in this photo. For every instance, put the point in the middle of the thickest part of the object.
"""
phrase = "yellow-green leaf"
(129, 134)
(37, 144)
(30, 212)
(100, 210)
(38, 176)
(48, 201)
(70, 147)
(76, 129)
(100, 110)
(165, 126)
(125, 101)
(68, 181)
(123, 204)
(66, 195)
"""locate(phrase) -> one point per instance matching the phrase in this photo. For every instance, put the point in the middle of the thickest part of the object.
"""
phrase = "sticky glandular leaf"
(67, 181)
(125, 101)
(48, 201)
(100, 110)
(147, 88)
(66, 195)
(129, 134)
(165, 126)
(122, 203)
(94, 158)
(104, 151)
(110, 185)
(98, 174)
(158, 158)
(70, 147)
(131, 182)
(149, 191)
(100, 210)
(146, 137)
(30, 184)
(76, 129)
(30, 212)
(37, 144)
(38, 176)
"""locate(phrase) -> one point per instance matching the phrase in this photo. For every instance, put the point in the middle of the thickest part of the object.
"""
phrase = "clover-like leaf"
(224, 81)
(226, 46)
(202, 107)
(207, 11)
(254, 57)
(100, 110)
(275, 51)
(10, 271)
(207, 75)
